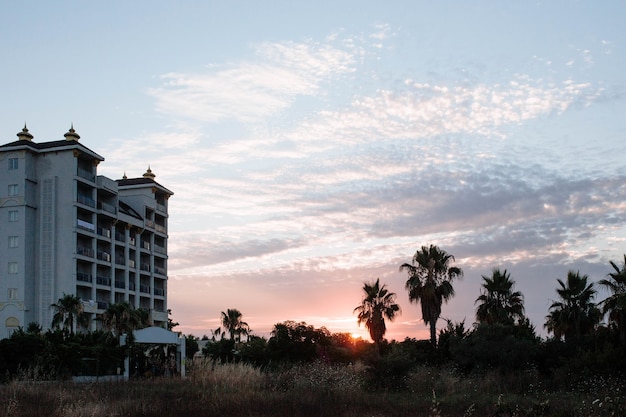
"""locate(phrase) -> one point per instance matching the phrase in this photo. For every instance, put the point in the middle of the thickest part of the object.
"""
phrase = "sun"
(356, 335)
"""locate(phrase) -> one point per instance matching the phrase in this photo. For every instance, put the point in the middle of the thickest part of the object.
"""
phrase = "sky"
(315, 146)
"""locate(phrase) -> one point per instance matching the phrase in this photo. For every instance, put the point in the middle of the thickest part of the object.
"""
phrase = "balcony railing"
(131, 263)
(103, 231)
(84, 277)
(107, 207)
(160, 228)
(104, 256)
(120, 284)
(120, 237)
(88, 175)
(103, 305)
(88, 201)
(81, 250)
(103, 281)
(150, 224)
(131, 286)
(145, 267)
(120, 260)
(85, 225)
(159, 291)
(144, 289)
(160, 249)
(161, 208)
(159, 270)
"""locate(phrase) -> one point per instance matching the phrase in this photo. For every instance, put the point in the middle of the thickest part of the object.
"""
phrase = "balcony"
(161, 208)
(103, 281)
(131, 286)
(104, 256)
(149, 224)
(103, 305)
(160, 228)
(160, 271)
(88, 175)
(145, 289)
(102, 231)
(145, 245)
(159, 291)
(120, 284)
(160, 249)
(109, 208)
(131, 263)
(85, 225)
(119, 260)
(84, 277)
(145, 267)
(87, 201)
(120, 237)
(84, 251)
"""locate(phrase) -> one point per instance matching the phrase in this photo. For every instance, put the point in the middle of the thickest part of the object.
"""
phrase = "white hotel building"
(64, 229)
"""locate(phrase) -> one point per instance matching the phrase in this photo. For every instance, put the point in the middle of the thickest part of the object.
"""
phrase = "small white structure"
(160, 336)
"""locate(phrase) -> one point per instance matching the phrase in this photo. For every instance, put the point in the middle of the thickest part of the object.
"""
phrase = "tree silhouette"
(68, 313)
(430, 283)
(121, 318)
(377, 305)
(499, 304)
(615, 304)
(575, 314)
(233, 324)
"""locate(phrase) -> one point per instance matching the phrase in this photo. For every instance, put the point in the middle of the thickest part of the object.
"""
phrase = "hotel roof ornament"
(24, 134)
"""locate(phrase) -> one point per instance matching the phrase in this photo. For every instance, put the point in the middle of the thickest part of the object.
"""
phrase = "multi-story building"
(64, 229)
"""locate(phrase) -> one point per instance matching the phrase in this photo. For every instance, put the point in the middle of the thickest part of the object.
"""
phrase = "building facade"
(64, 229)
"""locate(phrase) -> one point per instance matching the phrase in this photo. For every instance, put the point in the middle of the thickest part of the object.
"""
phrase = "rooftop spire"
(24, 134)
(124, 177)
(149, 174)
(71, 134)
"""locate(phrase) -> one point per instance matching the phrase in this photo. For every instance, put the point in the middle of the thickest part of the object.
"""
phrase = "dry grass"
(314, 390)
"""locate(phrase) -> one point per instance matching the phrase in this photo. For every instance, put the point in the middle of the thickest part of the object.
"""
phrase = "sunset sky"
(313, 146)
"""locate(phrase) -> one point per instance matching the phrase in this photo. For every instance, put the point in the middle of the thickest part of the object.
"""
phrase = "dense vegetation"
(498, 366)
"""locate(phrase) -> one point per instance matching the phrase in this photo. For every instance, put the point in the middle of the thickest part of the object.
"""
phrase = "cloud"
(250, 91)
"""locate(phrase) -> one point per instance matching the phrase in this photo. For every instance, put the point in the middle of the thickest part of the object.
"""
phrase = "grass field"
(314, 390)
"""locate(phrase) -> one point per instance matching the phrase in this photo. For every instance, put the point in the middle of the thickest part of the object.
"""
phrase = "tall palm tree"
(69, 313)
(615, 304)
(430, 283)
(377, 305)
(575, 314)
(120, 318)
(499, 304)
(234, 325)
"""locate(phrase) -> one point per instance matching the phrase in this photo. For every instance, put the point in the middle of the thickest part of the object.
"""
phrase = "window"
(13, 189)
(12, 215)
(12, 324)
(12, 267)
(12, 293)
(13, 164)
(13, 241)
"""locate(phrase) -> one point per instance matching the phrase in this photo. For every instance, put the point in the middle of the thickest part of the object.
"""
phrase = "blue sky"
(313, 146)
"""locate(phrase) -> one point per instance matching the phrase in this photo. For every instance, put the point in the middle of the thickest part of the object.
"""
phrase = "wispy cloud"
(251, 91)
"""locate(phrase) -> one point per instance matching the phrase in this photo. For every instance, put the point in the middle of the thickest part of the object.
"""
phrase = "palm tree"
(430, 283)
(120, 318)
(575, 314)
(231, 322)
(377, 305)
(499, 304)
(615, 304)
(69, 312)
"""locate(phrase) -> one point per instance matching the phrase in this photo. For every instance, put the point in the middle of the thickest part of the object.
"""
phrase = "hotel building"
(64, 229)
